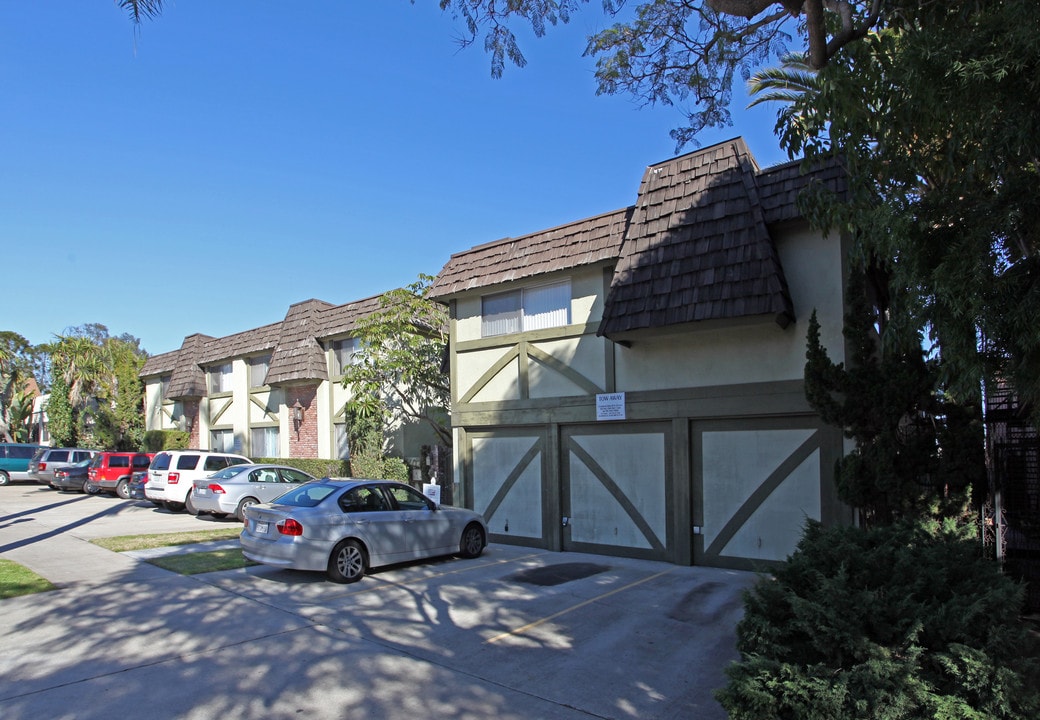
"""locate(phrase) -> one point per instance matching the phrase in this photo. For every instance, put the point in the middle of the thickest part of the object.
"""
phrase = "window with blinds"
(531, 308)
(220, 379)
(258, 368)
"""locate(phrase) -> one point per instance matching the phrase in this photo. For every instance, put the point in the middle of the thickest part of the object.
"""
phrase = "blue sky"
(231, 158)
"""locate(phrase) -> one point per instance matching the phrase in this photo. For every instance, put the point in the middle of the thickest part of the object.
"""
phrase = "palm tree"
(789, 83)
(8, 388)
(139, 9)
(81, 362)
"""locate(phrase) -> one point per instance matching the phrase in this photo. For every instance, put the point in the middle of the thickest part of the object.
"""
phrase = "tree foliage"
(893, 623)
(20, 364)
(397, 375)
(918, 453)
(96, 389)
(935, 119)
(141, 9)
(680, 52)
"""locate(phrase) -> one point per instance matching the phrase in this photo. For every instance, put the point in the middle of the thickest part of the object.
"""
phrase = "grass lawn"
(203, 562)
(122, 543)
(16, 580)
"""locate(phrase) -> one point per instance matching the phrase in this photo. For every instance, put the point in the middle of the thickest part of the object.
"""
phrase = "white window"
(264, 442)
(258, 367)
(222, 440)
(343, 352)
(220, 379)
(532, 308)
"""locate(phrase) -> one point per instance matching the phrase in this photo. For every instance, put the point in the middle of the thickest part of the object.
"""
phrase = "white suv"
(172, 475)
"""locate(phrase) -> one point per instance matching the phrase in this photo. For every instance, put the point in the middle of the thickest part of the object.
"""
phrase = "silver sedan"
(231, 490)
(346, 526)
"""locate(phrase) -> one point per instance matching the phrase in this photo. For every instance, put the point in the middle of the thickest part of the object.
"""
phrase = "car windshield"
(83, 463)
(307, 495)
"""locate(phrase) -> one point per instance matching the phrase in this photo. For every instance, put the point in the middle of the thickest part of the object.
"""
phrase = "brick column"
(303, 435)
(191, 412)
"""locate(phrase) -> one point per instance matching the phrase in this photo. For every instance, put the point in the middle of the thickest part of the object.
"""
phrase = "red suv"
(111, 471)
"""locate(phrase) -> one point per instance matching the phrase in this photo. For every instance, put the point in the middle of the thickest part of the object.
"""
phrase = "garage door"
(615, 485)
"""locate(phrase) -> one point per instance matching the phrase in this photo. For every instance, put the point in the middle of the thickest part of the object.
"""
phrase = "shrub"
(318, 467)
(894, 622)
(157, 440)
(395, 469)
(366, 464)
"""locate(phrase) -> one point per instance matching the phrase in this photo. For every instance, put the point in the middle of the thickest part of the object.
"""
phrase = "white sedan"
(231, 490)
(346, 526)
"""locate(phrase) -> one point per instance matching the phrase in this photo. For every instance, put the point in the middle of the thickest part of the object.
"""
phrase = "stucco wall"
(759, 352)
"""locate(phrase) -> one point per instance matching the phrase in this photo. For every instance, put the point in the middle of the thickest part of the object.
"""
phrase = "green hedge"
(318, 467)
(157, 440)
(894, 623)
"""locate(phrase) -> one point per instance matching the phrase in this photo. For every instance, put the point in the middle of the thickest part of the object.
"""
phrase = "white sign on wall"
(433, 492)
(610, 406)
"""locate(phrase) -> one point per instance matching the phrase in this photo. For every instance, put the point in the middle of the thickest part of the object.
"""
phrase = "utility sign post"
(610, 406)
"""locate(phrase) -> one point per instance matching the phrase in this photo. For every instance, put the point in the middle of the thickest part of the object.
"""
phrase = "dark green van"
(14, 462)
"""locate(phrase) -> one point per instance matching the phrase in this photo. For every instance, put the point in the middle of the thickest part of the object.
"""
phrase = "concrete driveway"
(516, 633)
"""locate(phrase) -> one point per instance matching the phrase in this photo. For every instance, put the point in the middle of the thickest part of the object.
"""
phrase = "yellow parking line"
(536, 623)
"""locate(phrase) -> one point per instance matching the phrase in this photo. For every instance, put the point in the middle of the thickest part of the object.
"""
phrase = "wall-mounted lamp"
(297, 411)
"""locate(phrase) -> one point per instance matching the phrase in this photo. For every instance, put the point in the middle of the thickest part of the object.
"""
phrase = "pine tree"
(917, 453)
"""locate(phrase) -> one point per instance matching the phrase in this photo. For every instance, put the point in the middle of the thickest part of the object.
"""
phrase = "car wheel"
(189, 505)
(347, 563)
(219, 516)
(90, 488)
(5, 479)
(174, 507)
(122, 490)
(472, 542)
(240, 512)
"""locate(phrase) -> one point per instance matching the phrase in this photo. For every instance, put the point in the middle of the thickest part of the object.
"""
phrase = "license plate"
(201, 491)
(262, 527)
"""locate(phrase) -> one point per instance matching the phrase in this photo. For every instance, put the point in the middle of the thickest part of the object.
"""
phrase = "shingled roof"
(585, 242)
(188, 379)
(697, 247)
(295, 345)
(780, 186)
(298, 355)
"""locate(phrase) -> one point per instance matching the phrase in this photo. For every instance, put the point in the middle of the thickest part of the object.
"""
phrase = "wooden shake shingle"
(697, 248)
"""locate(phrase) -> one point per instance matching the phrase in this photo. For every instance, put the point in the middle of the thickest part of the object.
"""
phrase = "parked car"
(73, 477)
(233, 489)
(346, 526)
(111, 471)
(172, 474)
(135, 488)
(46, 461)
(14, 461)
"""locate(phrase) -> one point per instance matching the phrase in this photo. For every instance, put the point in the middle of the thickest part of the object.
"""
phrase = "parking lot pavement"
(516, 633)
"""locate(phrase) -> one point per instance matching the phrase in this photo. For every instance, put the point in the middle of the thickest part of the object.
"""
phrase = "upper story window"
(220, 379)
(258, 367)
(531, 308)
(343, 352)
